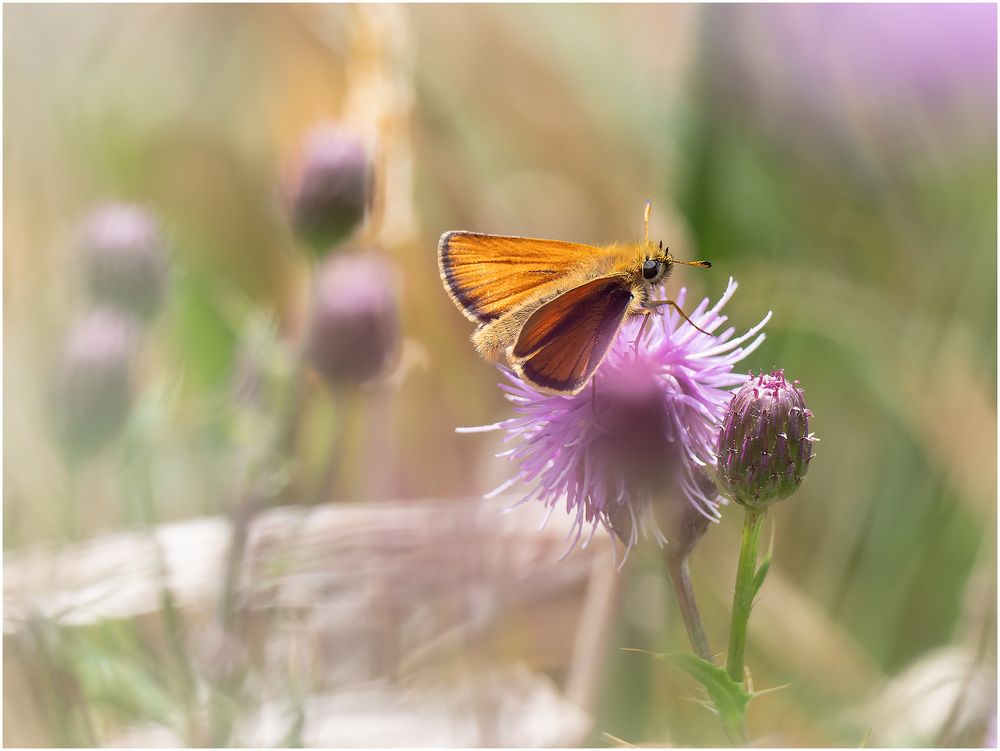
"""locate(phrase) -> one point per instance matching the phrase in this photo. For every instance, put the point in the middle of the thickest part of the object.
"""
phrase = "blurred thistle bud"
(764, 445)
(93, 389)
(333, 187)
(125, 263)
(354, 326)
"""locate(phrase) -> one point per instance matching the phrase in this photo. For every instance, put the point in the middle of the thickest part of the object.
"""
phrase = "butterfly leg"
(645, 313)
(675, 306)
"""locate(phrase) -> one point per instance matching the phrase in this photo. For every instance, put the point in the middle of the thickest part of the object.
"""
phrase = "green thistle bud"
(764, 445)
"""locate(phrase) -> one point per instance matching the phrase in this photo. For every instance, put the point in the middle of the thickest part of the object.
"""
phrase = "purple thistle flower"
(644, 429)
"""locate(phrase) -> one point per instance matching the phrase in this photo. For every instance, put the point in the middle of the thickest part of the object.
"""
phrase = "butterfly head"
(656, 268)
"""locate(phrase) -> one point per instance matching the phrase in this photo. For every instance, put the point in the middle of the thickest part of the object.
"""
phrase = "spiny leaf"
(763, 691)
(730, 698)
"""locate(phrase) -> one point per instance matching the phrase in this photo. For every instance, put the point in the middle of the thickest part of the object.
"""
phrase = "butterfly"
(552, 308)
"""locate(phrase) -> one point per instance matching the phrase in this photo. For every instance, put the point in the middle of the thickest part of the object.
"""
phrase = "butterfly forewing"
(488, 275)
(562, 343)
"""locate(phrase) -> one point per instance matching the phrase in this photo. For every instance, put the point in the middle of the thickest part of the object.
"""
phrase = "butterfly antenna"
(697, 264)
(645, 221)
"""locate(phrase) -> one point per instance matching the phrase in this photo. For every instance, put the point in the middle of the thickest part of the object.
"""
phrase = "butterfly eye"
(650, 269)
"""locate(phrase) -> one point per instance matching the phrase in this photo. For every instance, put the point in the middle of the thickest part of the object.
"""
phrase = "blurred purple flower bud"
(764, 446)
(93, 389)
(125, 263)
(333, 188)
(354, 326)
(642, 442)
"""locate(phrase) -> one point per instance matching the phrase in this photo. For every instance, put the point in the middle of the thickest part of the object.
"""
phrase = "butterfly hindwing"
(488, 275)
(562, 343)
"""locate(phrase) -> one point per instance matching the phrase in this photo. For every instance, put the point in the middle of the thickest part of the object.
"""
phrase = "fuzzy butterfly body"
(552, 308)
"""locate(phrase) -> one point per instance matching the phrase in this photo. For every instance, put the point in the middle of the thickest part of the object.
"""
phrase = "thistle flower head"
(643, 430)
(764, 445)
(125, 263)
(332, 189)
(354, 326)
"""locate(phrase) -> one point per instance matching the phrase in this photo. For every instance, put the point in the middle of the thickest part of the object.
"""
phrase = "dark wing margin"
(464, 300)
(563, 342)
(488, 275)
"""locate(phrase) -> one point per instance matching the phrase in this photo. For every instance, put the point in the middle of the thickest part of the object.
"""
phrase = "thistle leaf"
(729, 698)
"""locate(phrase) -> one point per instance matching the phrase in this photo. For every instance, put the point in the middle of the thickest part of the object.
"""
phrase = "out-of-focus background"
(207, 542)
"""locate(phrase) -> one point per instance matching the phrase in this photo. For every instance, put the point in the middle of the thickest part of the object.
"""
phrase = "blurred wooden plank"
(371, 589)
(431, 600)
(298, 556)
(509, 707)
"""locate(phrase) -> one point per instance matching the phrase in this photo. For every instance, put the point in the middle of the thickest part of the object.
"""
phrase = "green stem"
(744, 593)
(680, 576)
(252, 500)
(736, 732)
(137, 484)
(328, 478)
(283, 443)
